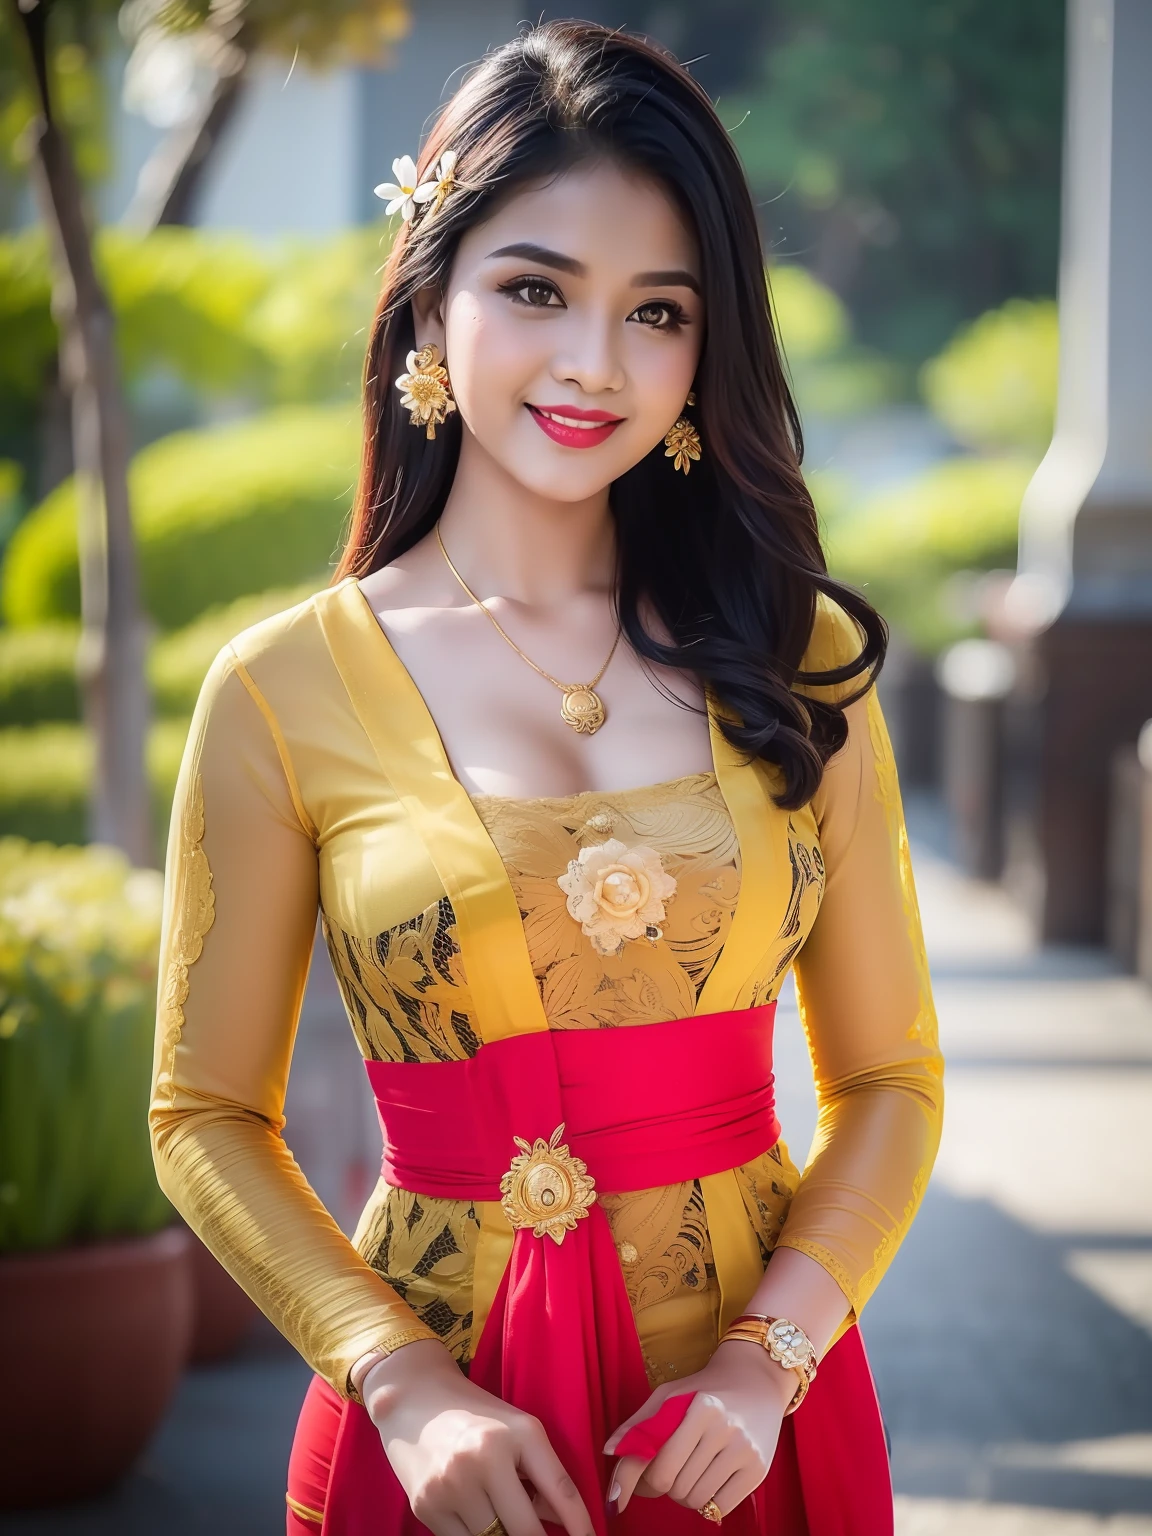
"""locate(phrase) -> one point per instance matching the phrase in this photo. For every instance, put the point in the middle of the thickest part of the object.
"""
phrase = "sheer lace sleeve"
(866, 1005)
(240, 912)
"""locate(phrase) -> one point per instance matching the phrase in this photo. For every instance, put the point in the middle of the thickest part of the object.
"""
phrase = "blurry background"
(189, 254)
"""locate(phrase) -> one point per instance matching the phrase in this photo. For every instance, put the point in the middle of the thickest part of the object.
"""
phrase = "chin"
(570, 488)
(574, 475)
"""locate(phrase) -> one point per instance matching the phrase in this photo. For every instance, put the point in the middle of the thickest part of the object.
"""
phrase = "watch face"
(789, 1344)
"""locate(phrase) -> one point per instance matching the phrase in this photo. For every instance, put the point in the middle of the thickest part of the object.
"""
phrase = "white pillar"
(1080, 607)
(1086, 522)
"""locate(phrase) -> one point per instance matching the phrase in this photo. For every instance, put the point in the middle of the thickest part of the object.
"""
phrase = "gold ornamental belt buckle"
(546, 1188)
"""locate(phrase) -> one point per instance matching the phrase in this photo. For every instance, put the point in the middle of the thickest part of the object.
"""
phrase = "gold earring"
(426, 393)
(682, 441)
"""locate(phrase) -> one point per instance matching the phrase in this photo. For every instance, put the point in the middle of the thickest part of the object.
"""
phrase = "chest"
(405, 835)
(501, 723)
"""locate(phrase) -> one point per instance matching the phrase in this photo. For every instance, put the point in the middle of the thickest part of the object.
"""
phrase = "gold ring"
(711, 1511)
(493, 1528)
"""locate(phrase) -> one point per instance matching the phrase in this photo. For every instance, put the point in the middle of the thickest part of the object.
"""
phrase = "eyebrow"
(543, 255)
(675, 277)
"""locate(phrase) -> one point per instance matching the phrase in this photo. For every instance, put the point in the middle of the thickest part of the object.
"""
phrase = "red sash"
(642, 1107)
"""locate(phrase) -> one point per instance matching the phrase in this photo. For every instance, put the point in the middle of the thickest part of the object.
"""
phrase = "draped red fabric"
(643, 1107)
(829, 1476)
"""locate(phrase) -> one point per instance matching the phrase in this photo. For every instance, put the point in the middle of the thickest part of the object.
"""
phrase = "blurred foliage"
(44, 775)
(812, 321)
(909, 151)
(27, 329)
(312, 325)
(79, 940)
(182, 301)
(179, 661)
(45, 771)
(322, 30)
(38, 674)
(994, 384)
(11, 483)
(79, 31)
(831, 374)
(906, 545)
(218, 514)
(217, 312)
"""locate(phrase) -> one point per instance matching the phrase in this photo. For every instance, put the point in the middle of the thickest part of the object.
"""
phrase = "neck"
(508, 541)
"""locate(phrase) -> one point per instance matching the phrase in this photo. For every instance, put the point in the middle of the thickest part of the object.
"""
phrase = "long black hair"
(728, 557)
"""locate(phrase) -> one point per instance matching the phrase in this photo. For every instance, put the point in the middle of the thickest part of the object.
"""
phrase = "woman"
(577, 758)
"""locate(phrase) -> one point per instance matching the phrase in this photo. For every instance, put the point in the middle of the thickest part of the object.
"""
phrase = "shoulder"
(283, 660)
(835, 640)
(288, 637)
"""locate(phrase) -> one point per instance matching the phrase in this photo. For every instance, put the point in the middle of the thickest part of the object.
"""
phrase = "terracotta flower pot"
(93, 1340)
(222, 1314)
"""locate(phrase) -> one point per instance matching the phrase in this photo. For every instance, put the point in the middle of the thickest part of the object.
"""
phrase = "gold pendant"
(546, 1188)
(582, 710)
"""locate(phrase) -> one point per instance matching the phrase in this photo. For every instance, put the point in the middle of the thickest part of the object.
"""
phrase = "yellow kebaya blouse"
(314, 778)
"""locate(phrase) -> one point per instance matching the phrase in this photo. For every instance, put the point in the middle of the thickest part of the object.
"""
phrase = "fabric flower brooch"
(617, 893)
(407, 193)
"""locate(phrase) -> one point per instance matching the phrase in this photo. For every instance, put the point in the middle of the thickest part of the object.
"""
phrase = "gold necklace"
(582, 708)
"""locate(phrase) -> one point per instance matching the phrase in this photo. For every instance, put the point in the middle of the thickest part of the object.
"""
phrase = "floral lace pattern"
(405, 990)
(192, 914)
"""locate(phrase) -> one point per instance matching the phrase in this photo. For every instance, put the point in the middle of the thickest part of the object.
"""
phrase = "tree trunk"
(54, 433)
(172, 179)
(112, 648)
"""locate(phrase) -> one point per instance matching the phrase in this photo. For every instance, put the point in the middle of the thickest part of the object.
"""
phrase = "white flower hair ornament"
(408, 193)
(617, 893)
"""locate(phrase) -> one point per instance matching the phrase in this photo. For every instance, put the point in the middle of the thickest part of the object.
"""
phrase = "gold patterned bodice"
(407, 997)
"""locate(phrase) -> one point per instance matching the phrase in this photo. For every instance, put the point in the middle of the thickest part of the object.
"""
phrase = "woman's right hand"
(461, 1455)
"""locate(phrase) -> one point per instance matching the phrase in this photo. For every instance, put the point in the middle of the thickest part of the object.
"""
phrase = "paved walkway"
(1012, 1340)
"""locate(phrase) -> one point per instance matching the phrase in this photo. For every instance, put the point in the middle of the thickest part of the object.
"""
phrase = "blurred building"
(1080, 610)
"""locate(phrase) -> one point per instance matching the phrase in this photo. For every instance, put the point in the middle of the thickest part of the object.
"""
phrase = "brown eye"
(536, 292)
(659, 315)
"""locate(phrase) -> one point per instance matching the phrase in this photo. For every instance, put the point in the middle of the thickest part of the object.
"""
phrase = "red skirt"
(830, 1451)
(641, 1108)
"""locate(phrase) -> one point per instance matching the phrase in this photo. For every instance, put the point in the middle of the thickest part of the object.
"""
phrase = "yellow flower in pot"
(91, 1267)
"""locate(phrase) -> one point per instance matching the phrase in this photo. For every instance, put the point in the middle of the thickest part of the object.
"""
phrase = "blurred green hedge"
(904, 546)
(45, 771)
(219, 514)
(38, 674)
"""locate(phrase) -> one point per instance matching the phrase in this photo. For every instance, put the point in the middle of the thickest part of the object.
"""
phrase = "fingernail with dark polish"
(612, 1502)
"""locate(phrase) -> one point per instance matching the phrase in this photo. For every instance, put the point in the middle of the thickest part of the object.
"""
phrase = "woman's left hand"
(724, 1447)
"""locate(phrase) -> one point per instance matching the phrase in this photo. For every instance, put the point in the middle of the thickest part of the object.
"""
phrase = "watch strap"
(785, 1342)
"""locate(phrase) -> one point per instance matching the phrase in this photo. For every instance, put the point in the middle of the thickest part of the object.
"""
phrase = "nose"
(590, 355)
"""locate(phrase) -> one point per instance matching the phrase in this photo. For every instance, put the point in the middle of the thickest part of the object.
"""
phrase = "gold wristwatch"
(787, 1344)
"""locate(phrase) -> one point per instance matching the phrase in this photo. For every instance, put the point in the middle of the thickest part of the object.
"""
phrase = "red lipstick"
(558, 422)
